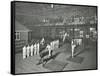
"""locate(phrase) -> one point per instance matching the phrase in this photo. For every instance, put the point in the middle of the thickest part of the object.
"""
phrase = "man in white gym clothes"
(35, 49)
(64, 37)
(73, 47)
(31, 49)
(28, 50)
(38, 48)
(24, 52)
(49, 49)
(42, 41)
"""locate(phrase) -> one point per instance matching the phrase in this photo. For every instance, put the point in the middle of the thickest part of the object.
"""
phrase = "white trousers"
(31, 52)
(24, 54)
(49, 53)
(35, 51)
(73, 47)
(28, 53)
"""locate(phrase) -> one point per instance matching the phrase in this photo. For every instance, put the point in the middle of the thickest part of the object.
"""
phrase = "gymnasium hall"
(55, 37)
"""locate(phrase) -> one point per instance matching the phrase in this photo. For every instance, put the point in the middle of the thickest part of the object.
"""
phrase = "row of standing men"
(31, 50)
(34, 49)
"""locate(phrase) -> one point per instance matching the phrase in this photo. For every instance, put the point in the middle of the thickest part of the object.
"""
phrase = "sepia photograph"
(51, 37)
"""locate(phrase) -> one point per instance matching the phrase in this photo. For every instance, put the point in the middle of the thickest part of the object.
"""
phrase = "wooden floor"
(88, 53)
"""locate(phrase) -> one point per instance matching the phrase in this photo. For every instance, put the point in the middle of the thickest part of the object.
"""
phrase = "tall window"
(17, 35)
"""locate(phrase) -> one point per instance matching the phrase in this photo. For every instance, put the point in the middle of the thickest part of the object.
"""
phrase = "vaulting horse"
(46, 54)
(44, 57)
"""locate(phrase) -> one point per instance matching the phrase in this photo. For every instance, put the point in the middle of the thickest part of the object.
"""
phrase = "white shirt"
(24, 49)
(34, 46)
(37, 45)
(64, 36)
(42, 40)
(51, 44)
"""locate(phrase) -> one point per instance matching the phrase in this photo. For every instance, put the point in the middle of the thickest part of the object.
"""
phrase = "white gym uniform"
(32, 49)
(24, 52)
(38, 48)
(49, 49)
(42, 41)
(73, 48)
(64, 37)
(35, 49)
(28, 50)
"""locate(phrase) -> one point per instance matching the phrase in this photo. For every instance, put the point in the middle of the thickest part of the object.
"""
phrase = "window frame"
(17, 35)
